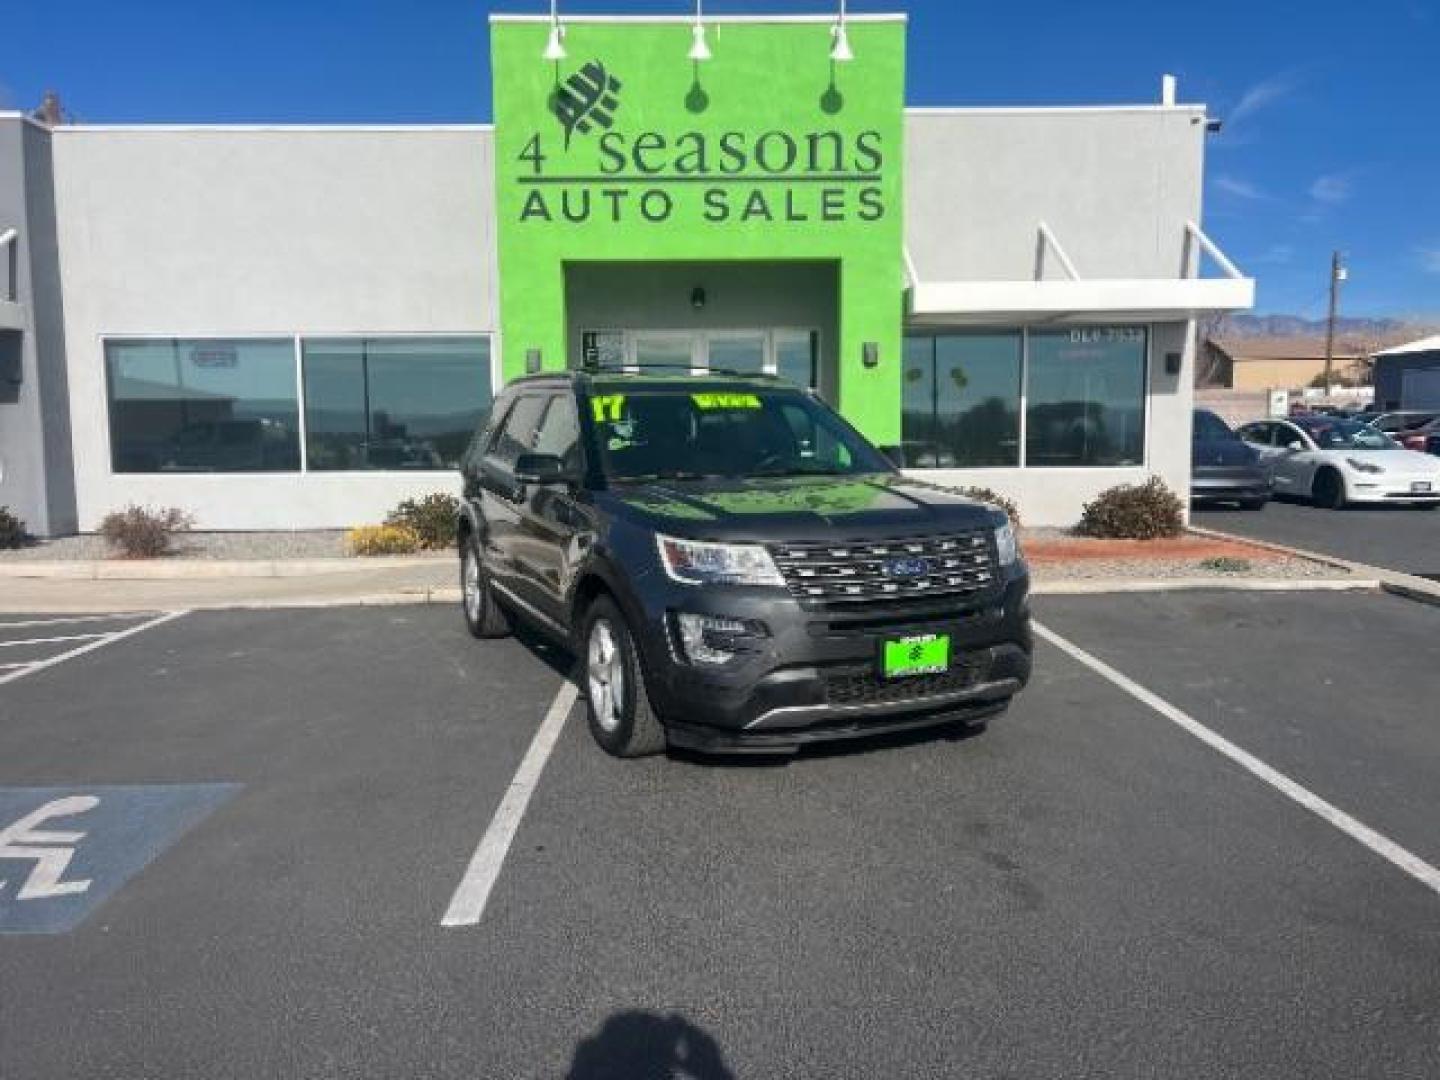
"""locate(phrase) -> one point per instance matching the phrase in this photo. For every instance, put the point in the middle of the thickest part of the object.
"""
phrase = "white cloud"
(1264, 94)
(1331, 189)
(1241, 189)
(1429, 258)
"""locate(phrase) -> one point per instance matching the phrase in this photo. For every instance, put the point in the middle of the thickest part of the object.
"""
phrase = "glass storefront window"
(393, 403)
(795, 356)
(961, 400)
(216, 405)
(1085, 398)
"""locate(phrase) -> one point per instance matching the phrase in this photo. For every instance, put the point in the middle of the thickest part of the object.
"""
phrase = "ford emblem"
(906, 568)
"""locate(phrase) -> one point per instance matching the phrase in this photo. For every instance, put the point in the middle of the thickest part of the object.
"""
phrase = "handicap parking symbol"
(64, 851)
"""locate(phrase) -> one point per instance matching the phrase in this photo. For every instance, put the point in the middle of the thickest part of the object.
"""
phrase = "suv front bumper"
(816, 676)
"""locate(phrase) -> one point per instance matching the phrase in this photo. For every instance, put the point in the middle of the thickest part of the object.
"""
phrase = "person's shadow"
(638, 1045)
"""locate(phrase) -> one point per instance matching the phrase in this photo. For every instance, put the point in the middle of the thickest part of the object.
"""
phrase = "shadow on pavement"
(638, 1045)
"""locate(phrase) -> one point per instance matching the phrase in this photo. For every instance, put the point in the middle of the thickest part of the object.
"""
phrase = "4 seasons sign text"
(589, 168)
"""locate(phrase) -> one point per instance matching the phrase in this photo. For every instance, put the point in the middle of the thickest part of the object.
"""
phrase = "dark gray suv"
(735, 566)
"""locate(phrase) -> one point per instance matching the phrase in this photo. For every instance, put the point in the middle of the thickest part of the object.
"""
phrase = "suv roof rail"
(687, 368)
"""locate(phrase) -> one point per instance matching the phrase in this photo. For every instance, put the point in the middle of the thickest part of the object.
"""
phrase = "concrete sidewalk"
(417, 582)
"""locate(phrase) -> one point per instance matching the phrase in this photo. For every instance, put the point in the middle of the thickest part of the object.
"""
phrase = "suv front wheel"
(621, 718)
(484, 617)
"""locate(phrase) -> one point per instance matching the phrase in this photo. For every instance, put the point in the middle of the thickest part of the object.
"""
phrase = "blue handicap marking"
(65, 851)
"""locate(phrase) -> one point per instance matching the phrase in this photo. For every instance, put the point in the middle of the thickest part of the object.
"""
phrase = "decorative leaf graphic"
(586, 98)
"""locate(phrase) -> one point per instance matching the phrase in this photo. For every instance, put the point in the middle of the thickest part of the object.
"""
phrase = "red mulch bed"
(1072, 549)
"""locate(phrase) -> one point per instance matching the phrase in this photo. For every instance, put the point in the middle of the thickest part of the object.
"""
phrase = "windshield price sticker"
(725, 401)
(607, 407)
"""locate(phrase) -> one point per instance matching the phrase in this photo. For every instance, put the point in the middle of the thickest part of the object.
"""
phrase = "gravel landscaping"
(313, 544)
(1068, 558)
(1060, 555)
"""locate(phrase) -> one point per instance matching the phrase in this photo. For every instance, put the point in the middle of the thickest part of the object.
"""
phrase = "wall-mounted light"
(697, 297)
(555, 44)
(699, 48)
(532, 361)
(870, 354)
(840, 52)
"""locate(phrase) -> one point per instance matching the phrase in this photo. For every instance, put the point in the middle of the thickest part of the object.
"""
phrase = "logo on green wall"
(585, 99)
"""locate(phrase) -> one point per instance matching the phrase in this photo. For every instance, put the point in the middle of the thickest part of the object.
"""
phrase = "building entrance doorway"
(790, 352)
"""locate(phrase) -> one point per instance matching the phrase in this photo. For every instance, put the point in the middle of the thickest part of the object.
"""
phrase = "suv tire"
(484, 617)
(619, 712)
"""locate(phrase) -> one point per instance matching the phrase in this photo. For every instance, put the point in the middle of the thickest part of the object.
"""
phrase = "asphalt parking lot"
(284, 804)
(1394, 537)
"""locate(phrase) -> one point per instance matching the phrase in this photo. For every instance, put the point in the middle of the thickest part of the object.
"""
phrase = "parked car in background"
(1404, 427)
(1334, 461)
(1223, 467)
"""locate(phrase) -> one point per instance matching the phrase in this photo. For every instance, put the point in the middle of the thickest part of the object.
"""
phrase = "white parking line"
(468, 903)
(1381, 845)
(108, 639)
(49, 640)
(58, 619)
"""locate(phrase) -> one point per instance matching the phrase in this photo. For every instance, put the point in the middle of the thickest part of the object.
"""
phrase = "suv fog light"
(713, 639)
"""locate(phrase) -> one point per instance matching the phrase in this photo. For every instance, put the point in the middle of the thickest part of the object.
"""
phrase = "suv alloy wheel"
(621, 718)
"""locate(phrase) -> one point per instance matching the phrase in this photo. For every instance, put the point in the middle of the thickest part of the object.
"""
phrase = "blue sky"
(1331, 137)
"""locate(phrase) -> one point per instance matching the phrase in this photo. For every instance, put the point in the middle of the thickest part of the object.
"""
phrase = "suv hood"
(771, 509)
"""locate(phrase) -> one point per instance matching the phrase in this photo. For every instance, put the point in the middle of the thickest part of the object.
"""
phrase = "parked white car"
(1335, 461)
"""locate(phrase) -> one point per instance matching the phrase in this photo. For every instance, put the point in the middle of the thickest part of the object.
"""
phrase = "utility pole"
(1337, 275)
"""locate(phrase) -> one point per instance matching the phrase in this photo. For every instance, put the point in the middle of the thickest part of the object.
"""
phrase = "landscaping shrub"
(431, 519)
(994, 498)
(1134, 512)
(1225, 564)
(382, 540)
(13, 533)
(143, 532)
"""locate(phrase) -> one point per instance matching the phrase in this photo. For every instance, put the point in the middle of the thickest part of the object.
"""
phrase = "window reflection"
(393, 403)
(961, 400)
(202, 405)
(1086, 397)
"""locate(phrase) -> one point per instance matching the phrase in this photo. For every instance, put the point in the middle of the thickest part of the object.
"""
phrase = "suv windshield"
(714, 431)
(1210, 428)
(1346, 435)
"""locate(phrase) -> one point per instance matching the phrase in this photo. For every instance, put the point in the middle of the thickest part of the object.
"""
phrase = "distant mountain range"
(1246, 325)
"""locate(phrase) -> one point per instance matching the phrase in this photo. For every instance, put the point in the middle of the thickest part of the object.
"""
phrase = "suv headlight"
(1006, 546)
(695, 562)
(1364, 466)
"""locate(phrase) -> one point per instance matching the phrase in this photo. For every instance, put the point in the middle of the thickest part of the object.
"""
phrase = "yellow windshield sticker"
(726, 401)
(607, 407)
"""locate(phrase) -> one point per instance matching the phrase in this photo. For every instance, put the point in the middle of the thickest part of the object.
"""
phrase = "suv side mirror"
(1295, 445)
(539, 469)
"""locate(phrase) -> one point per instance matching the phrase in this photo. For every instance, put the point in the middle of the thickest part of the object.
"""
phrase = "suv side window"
(516, 437)
(813, 442)
(559, 432)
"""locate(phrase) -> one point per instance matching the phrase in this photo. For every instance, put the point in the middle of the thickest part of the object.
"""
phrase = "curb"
(203, 569)
(1101, 587)
(1391, 581)
(385, 599)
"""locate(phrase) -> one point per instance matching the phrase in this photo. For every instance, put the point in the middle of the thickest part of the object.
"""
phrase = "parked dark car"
(1223, 468)
(1406, 427)
(735, 566)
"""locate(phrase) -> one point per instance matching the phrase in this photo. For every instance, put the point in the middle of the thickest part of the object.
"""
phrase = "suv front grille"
(871, 688)
(887, 570)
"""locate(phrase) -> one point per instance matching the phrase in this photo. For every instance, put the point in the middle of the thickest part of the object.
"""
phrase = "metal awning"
(1072, 297)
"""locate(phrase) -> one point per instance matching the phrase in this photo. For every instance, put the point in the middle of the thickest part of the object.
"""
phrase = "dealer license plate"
(1419, 485)
(922, 654)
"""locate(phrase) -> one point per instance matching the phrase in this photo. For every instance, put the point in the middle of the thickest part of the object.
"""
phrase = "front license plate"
(923, 654)
(1420, 485)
